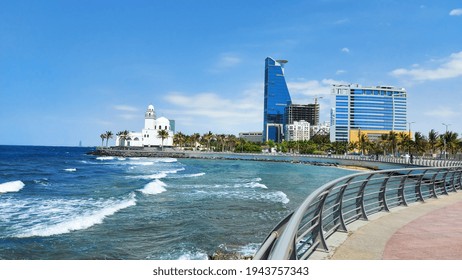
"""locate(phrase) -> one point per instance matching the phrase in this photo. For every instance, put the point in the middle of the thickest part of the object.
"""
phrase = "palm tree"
(178, 139)
(404, 141)
(109, 135)
(433, 140)
(103, 136)
(363, 143)
(193, 139)
(208, 137)
(420, 143)
(352, 146)
(393, 138)
(162, 134)
(232, 142)
(452, 141)
(384, 143)
(122, 136)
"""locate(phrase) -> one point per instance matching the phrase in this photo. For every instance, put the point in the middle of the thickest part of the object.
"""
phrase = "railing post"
(360, 198)
(339, 209)
(320, 235)
(445, 190)
(382, 195)
(401, 189)
(418, 187)
(459, 171)
(452, 180)
(433, 187)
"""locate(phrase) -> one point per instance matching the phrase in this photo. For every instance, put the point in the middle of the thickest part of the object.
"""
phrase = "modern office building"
(367, 110)
(302, 112)
(277, 98)
(298, 131)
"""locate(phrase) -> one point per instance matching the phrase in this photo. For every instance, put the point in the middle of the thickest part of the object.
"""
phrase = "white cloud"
(345, 50)
(450, 68)
(125, 108)
(226, 61)
(455, 12)
(202, 112)
(442, 111)
(312, 88)
(340, 71)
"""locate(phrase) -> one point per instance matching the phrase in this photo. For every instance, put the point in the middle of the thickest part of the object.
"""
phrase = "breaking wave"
(13, 186)
(59, 217)
(154, 187)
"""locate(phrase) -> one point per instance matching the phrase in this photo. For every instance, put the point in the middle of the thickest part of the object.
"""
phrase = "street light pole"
(444, 140)
(410, 139)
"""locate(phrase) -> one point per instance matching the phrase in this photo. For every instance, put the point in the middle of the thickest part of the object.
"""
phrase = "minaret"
(150, 118)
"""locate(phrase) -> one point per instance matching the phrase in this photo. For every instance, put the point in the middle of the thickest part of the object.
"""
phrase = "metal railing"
(335, 205)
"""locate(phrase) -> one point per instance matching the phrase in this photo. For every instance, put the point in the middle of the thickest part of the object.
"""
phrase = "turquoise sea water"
(59, 203)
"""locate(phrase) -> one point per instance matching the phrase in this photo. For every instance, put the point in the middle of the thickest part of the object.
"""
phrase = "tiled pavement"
(424, 231)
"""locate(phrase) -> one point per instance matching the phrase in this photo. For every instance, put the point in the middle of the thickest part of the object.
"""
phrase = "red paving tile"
(434, 236)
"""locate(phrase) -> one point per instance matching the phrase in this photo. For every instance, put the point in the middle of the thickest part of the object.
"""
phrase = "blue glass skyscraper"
(372, 110)
(277, 98)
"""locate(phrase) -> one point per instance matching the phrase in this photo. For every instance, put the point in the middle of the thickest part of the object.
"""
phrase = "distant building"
(298, 131)
(302, 112)
(254, 137)
(367, 110)
(149, 136)
(276, 99)
(320, 129)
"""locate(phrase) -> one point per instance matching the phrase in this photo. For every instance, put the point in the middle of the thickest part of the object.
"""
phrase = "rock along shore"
(229, 156)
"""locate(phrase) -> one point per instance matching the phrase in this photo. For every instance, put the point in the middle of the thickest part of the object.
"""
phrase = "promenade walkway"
(424, 231)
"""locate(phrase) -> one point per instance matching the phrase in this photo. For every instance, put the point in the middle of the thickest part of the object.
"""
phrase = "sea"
(59, 203)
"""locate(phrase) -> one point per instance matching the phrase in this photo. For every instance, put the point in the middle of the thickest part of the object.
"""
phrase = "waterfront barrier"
(337, 204)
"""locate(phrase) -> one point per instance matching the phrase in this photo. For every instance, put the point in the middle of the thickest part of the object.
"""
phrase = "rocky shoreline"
(223, 156)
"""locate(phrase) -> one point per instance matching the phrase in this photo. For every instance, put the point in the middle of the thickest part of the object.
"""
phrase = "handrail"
(336, 204)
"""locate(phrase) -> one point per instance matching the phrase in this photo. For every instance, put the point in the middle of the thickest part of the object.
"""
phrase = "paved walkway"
(424, 231)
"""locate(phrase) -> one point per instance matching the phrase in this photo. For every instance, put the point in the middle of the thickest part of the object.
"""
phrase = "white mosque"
(149, 136)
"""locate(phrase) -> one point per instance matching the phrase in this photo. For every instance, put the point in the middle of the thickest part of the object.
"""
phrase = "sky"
(71, 70)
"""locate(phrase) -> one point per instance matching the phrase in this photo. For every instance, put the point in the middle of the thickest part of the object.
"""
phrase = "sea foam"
(105, 158)
(13, 186)
(80, 222)
(70, 169)
(154, 187)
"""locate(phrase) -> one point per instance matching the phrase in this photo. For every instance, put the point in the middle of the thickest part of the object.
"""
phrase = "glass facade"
(277, 97)
(381, 108)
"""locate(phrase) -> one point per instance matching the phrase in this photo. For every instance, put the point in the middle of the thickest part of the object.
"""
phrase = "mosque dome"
(163, 121)
(150, 107)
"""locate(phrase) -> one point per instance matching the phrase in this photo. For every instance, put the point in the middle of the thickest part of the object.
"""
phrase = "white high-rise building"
(298, 131)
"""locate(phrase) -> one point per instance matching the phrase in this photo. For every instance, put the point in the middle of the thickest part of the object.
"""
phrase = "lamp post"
(410, 139)
(444, 139)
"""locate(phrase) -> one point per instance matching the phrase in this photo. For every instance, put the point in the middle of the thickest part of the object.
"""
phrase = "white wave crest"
(167, 160)
(151, 176)
(277, 197)
(79, 222)
(257, 185)
(13, 186)
(193, 175)
(105, 158)
(194, 256)
(70, 169)
(154, 187)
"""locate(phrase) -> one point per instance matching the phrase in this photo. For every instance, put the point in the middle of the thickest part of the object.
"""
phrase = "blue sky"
(71, 70)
